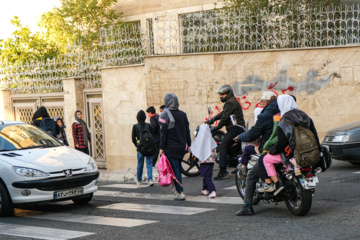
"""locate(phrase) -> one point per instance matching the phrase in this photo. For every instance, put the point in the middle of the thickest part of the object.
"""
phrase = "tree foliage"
(25, 46)
(75, 21)
(79, 21)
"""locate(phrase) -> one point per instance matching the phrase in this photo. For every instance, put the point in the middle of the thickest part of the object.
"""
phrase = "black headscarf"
(40, 113)
(141, 116)
(85, 129)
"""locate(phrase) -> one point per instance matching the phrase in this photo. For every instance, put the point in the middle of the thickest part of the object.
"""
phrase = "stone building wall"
(325, 81)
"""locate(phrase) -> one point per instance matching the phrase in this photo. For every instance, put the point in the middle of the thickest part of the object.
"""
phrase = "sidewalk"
(124, 175)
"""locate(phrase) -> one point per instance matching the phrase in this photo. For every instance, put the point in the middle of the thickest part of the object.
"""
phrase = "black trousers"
(84, 150)
(251, 179)
(156, 156)
(226, 143)
(262, 170)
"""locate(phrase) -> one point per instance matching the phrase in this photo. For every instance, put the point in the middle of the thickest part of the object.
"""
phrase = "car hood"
(344, 128)
(46, 159)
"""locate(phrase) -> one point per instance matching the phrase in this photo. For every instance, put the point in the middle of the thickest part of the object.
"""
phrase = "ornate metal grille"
(207, 31)
(56, 112)
(98, 131)
(25, 115)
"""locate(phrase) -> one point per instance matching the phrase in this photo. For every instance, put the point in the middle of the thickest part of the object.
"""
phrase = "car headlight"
(29, 172)
(341, 138)
(91, 165)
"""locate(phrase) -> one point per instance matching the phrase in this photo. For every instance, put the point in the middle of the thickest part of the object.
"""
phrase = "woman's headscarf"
(286, 103)
(85, 129)
(141, 116)
(203, 144)
(171, 103)
(41, 112)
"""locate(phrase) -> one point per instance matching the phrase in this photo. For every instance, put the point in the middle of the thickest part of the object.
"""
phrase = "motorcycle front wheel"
(190, 166)
(299, 200)
(240, 186)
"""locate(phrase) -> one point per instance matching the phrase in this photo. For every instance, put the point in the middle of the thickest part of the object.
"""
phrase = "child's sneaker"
(150, 183)
(279, 188)
(205, 192)
(267, 188)
(212, 194)
(179, 196)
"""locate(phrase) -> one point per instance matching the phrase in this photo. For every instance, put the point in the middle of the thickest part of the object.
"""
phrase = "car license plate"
(68, 193)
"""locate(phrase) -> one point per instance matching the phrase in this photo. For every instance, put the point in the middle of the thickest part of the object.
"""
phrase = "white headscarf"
(203, 144)
(286, 103)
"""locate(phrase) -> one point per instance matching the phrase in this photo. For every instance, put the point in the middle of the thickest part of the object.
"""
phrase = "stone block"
(347, 76)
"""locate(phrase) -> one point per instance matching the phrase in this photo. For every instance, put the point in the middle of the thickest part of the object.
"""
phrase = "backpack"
(147, 144)
(48, 125)
(307, 151)
(166, 174)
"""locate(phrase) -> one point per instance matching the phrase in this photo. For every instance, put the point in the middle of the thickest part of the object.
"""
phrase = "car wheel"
(355, 163)
(6, 205)
(83, 200)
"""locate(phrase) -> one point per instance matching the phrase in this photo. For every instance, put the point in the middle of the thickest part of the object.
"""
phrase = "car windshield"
(24, 136)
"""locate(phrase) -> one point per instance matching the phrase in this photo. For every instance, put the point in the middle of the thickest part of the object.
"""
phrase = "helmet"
(226, 89)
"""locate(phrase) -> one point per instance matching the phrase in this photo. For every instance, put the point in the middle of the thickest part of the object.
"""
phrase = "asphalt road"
(123, 211)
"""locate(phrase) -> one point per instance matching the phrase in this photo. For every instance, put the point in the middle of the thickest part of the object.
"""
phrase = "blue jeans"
(175, 164)
(140, 166)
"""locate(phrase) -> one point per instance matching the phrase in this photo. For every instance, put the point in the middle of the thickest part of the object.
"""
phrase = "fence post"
(5, 105)
(73, 100)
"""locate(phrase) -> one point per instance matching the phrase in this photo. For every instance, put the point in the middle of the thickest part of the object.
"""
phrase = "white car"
(36, 168)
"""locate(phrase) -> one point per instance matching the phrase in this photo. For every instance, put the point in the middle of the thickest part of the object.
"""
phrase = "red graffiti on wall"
(246, 105)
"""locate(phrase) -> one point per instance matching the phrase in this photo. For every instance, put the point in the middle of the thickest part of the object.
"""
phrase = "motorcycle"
(299, 186)
(190, 165)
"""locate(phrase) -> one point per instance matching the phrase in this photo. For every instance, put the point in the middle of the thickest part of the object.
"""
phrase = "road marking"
(230, 188)
(357, 172)
(223, 200)
(157, 208)
(40, 232)
(127, 186)
(99, 220)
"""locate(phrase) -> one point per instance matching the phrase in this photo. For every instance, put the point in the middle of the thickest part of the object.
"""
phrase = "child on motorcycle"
(289, 112)
(204, 149)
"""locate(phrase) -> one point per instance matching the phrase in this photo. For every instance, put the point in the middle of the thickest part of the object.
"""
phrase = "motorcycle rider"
(231, 107)
(263, 128)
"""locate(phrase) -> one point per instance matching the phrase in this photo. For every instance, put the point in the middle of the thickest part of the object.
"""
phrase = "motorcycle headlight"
(29, 172)
(91, 165)
(341, 138)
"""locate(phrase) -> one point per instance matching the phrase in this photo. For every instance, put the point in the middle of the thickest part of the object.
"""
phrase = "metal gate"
(95, 120)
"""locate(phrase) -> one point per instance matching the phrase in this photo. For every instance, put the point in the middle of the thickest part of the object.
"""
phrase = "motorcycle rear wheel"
(240, 186)
(300, 199)
(190, 166)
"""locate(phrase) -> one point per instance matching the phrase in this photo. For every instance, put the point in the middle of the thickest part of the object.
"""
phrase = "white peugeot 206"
(36, 168)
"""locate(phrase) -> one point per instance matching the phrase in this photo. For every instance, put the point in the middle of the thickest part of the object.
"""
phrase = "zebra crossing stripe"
(230, 188)
(98, 220)
(357, 172)
(33, 232)
(163, 209)
(221, 200)
(126, 186)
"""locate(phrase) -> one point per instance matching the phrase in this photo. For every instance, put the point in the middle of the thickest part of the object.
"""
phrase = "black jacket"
(174, 140)
(263, 127)
(231, 106)
(135, 136)
(40, 113)
(297, 117)
(154, 121)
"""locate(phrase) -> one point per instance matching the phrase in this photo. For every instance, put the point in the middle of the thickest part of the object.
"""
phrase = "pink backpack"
(166, 174)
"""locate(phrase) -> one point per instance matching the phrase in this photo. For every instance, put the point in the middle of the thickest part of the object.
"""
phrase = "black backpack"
(147, 144)
(48, 125)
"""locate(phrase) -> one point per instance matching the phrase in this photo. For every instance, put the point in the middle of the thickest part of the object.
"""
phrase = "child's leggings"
(269, 161)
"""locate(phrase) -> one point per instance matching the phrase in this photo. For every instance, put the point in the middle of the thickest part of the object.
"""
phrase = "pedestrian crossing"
(123, 192)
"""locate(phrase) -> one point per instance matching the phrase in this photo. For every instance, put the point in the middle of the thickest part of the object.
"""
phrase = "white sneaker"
(139, 183)
(212, 194)
(150, 183)
(179, 196)
(205, 192)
